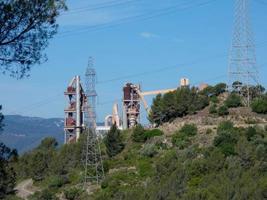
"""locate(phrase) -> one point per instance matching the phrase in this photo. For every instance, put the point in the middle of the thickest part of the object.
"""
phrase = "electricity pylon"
(243, 72)
(94, 170)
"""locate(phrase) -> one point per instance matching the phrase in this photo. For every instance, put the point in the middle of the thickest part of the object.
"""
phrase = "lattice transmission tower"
(243, 72)
(94, 170)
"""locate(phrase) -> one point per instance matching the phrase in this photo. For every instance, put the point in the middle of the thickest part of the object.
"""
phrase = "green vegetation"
(214, 91)
(1, 119)
(142, 135)
(259, 105)
(113, 141)
(223, 110)
(24, 38)
(233, 101)
(213, 109)
(226, 138)
(234, 165)
(180, 103)
(8, 158)
(181, 138)
(152, 133)
(146, 164)
(138, 133)
(73, 193)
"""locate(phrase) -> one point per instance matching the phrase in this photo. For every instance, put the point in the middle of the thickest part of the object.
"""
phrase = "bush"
(222, 111)
(44, 195)
(259, 105)
(233, 101)
(58, 181)
(213, 109)
(225, 141)
(214, 99)
(152, 133)
(138, 134)
(181, 138)
(189, 129)
(149, 150)
(250, 133)
(145, 168)
(208, 131)
(72, 193)
(225, 126)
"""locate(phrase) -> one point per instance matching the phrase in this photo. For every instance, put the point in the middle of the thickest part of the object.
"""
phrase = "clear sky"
(151, 42)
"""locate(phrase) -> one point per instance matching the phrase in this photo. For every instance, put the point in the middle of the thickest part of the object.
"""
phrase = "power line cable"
(124, 19)
(182, 65)
(135, 18)
(98, 7)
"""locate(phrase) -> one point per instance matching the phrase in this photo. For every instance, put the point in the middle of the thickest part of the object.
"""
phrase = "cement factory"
(79, 107)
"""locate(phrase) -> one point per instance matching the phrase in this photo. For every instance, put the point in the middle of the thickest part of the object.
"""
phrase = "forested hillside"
(216, 149)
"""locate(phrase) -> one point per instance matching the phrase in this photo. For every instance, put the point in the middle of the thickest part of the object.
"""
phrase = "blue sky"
(168, 40)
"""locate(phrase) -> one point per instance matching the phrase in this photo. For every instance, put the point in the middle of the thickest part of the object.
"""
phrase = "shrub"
(138, 134)
(72, 193)
(44, 195)
(225, 141)
(250, 133)
(233, 101)
(214, 99)
(145, 168)
(259, 105)
(58, 181)
(189, 129)
(149, 150)
(208, 131)
(225, 126)
(213, 109)
(222, 111)
(152, 133)
(180, 140)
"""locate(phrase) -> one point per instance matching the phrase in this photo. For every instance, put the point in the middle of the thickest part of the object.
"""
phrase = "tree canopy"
(1, 119)
(113, 141)
(7, 172)
(25, 29)
(175, 104)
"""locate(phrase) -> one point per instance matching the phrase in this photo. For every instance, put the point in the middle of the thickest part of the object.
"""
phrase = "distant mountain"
(25, 133)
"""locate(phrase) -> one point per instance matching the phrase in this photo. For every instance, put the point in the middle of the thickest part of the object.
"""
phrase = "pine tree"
(113, 141)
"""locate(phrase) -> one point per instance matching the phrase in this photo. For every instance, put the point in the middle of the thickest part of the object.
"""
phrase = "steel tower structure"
(242, 65)
(90, 81)
(94, 170)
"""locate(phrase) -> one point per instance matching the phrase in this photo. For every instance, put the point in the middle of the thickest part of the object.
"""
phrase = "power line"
(142, 17)
(46, 101)
(98, 7)
(178, 66)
